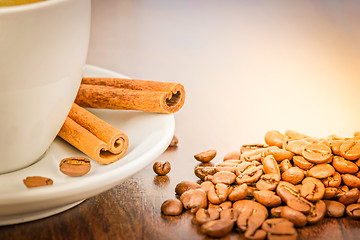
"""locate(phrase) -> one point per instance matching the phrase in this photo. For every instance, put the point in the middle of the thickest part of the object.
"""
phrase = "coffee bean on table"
(75, 166)
(350, 197)
(268, 181)
(174, 142)
(224, 177)
(293, 175)
(205, 215)
(37, 181)
(320, 171)
(201, 171)
(316, 153)
(350, 149)
(353, 210)
(294, 216)
(185, 186)
(267, 198)
(217, 228)
(302, 163)
(312, 189)
(274, 138)
(205, 156)
(172, 207)
(334, 208)
(332, 181)
(317, 213)
(344, 166)
(351, 181)
(161, 169)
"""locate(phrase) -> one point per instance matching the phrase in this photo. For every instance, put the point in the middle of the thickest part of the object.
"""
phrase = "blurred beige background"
(247, 66)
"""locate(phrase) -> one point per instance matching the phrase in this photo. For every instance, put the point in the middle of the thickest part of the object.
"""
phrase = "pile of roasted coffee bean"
(267, 191)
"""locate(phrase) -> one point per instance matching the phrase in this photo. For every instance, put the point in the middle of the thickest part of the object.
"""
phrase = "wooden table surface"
(243, 73)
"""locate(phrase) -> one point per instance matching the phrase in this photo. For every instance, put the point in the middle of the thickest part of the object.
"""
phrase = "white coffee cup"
(43, 49)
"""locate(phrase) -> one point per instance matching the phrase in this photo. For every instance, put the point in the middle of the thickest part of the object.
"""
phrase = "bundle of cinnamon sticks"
(98, 139)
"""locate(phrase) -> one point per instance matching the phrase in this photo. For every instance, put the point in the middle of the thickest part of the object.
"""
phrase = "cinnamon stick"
(93, 136)
(131, 94)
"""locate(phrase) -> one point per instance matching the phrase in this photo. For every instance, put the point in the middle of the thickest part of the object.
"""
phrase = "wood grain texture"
(131, 210)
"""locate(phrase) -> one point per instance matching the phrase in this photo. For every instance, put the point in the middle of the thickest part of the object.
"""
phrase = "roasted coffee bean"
(184, 186)
(335, 146)
(232, 155)
(316, 153)
(275, 138)
(245, 166)
(344, 166)
(224, 177)
(295, 146)
(201, 172)
(270, 165)
(253, 155)
(218, 193)
(250, 147)
(294, 216)
(290, 195)
(321, 171)
(279, 154)
(332, 181)
(280, 226)
(272, 236)
(237, 192)
(75, 166)
(334, 208)
(341, 191)
(267, 198)
(172, 207)
(350, 197)
(250, 175)
(230, 214)
(293, 175)
(206, 186)
(302, 163)
(205, 215)
(217, 228)
(275, 212)
(284, 165)
(205, 156)
(251, 215)
(220, 207)
(330, 192)
(353, 210)
(37, 181)
(317, 213)
(174, 142)
(291, 134)
(259, 234)
(300, 204)
(194, 199)
(161, 169)
(351, 181)
(350, 149)
(250, 192)
(312, 189)
(268, 181)
(228, 165)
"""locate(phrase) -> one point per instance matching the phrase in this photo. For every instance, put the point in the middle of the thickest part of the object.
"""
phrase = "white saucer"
(149, 136)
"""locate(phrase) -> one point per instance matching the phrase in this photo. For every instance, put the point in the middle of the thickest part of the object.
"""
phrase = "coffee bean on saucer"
(75, 166)
(37, 181)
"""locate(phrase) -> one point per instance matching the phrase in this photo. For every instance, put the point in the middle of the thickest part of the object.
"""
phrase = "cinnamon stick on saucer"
(93, 136)
(131, 94)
